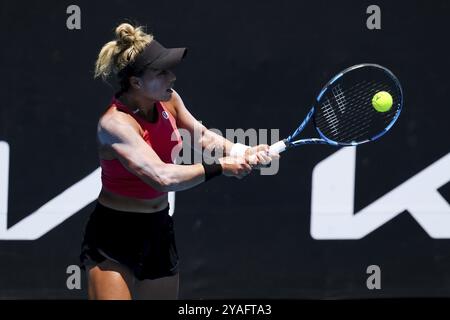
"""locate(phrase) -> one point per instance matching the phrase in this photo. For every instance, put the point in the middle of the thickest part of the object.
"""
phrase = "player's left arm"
(203, 138)
(200, 136)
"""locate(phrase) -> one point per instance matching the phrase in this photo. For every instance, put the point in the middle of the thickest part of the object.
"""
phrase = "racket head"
(344, 115)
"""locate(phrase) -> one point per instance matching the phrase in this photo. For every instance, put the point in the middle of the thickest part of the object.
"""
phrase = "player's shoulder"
(114, 122)
(175, 97)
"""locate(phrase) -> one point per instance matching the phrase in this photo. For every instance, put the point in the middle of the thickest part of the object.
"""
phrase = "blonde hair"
(116, 54)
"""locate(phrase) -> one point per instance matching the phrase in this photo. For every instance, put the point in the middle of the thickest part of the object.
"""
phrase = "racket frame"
(289, 143)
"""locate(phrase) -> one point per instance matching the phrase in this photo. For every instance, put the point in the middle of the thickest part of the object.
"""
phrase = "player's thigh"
(165, 288)
(109, 280)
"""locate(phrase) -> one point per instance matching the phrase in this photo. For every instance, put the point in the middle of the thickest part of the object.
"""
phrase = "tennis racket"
(343, 114)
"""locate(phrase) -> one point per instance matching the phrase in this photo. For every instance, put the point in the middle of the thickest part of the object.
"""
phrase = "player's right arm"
(126, 144)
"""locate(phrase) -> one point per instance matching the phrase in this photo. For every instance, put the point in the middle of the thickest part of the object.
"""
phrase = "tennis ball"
(382, 101)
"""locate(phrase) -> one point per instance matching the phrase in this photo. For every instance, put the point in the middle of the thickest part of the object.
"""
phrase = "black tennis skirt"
(144, 242)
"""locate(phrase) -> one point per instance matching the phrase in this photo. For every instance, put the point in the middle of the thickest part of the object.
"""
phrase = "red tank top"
(162, 136)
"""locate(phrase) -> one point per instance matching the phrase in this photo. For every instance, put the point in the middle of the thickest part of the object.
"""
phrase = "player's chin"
(167, 95)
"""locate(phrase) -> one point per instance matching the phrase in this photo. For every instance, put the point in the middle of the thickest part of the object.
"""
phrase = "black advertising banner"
(371, 221)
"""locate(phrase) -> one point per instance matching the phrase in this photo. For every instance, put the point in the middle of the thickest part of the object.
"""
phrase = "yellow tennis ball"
(382, 101)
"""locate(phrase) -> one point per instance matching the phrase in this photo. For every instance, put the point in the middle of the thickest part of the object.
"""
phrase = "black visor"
(155, 56)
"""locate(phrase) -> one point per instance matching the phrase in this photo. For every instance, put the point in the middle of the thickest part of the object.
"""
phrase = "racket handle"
(278, 147)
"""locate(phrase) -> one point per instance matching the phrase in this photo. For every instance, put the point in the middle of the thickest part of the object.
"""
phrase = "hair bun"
(126, 34)
(116, 54)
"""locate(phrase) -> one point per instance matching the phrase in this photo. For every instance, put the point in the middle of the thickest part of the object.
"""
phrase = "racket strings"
(363, 118)
(365, 121)
(327, 105)
(329, 113)
(365, 129)
(347, 115)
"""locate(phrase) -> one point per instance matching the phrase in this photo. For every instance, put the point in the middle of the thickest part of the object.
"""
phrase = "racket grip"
(278, 147)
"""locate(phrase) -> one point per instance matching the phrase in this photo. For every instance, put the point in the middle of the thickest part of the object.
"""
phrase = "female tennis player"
(129, 249)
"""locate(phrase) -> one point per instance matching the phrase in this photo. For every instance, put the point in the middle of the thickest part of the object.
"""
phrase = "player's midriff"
(123, 203)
